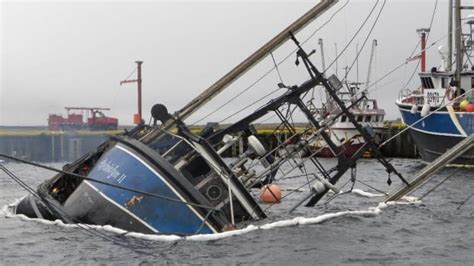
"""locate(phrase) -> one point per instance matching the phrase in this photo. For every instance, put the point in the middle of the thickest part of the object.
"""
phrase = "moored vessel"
(440, 113)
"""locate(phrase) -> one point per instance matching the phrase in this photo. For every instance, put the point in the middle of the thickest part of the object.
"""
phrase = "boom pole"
(245, 65)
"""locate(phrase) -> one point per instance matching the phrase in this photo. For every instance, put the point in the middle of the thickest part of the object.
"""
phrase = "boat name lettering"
(433, 97)
(112, 170)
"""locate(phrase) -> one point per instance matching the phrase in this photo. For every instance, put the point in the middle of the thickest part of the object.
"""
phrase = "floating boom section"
(245, 65)
(428, 171)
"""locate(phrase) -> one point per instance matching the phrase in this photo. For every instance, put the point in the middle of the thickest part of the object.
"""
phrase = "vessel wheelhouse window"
(360, 118)
(427, 83)
(343, 118)
(443, 83)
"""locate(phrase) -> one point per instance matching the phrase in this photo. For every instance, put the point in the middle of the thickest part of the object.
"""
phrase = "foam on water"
(371, 211)
(360, 192)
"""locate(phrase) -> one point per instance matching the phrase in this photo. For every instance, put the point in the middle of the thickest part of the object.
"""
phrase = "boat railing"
(411, 97)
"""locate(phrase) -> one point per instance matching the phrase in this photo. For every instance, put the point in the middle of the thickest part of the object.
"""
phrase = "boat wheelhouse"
(342, 131)
(440, 111)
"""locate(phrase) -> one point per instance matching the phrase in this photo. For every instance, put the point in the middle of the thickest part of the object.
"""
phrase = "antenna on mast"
(371, 61)
(137, 118)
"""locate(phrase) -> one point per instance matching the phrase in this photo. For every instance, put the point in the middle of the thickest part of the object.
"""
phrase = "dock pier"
(42, 145)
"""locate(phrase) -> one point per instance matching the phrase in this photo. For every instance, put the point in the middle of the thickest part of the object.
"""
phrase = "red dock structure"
(96, 120)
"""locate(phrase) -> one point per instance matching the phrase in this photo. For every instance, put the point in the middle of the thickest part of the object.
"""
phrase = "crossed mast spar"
(294, 95)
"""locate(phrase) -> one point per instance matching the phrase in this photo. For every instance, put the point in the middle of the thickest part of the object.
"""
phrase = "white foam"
(362, 193)
(207, 237)
(161, 238)
(405, 200)
(371, 211)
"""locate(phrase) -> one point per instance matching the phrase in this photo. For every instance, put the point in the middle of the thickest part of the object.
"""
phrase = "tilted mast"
(244, 66)
(371, 61)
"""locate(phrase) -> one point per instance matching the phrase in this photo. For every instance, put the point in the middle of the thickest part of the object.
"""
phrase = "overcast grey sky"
(64, 53)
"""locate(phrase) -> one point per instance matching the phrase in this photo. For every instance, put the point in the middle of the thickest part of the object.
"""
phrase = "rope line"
(84, 227)
(273, 68)
(366, 39)
(74, 175)
(353, 36)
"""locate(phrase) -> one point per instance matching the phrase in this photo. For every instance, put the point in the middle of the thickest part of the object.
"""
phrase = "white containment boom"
(247, 64)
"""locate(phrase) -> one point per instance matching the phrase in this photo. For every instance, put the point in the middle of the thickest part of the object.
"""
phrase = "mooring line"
(54, 209)
(74, 175)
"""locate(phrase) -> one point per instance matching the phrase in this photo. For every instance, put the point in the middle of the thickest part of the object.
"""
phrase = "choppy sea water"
(353, 228)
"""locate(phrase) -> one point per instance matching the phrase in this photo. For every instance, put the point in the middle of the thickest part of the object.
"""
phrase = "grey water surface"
(432, 232)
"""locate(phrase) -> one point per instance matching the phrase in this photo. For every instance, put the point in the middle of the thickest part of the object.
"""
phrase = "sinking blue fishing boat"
(138, 182)
(141, 183)
(185, 189)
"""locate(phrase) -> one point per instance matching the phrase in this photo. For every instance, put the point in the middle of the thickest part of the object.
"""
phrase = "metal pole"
(450, 36)
(458, 42)
(357, 63)
(245, 65)
(253, 59)
(321, 47)
(423, 52)
(335, 48)
(423, 32)
(139, 87)
(371, 61)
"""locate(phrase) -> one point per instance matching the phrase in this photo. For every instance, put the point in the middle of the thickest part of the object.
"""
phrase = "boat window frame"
(427, 82)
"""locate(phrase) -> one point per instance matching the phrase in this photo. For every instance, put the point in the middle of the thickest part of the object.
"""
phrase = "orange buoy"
(470, 107)
(270, 193)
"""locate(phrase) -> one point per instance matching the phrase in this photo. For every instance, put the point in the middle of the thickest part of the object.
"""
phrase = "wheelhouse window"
(427, 82)
(343, 118)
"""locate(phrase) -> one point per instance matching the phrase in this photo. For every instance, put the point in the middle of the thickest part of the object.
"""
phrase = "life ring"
(451, 93)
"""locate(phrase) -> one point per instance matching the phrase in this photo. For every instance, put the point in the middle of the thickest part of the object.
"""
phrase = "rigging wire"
(440, 183)
(354, 36)
(366, 39)
(276, 67)
(397, 67)
(84, 227)
(419, 41)
(75, 175)
(271, 69)
(131, 73)
(249, 105)
(465, 201)
(372, 187)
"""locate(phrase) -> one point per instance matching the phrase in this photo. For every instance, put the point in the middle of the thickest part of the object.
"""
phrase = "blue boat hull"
(438, 132)
(166, 213)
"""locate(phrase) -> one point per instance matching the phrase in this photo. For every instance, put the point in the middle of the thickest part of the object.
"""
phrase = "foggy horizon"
(58, 54)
